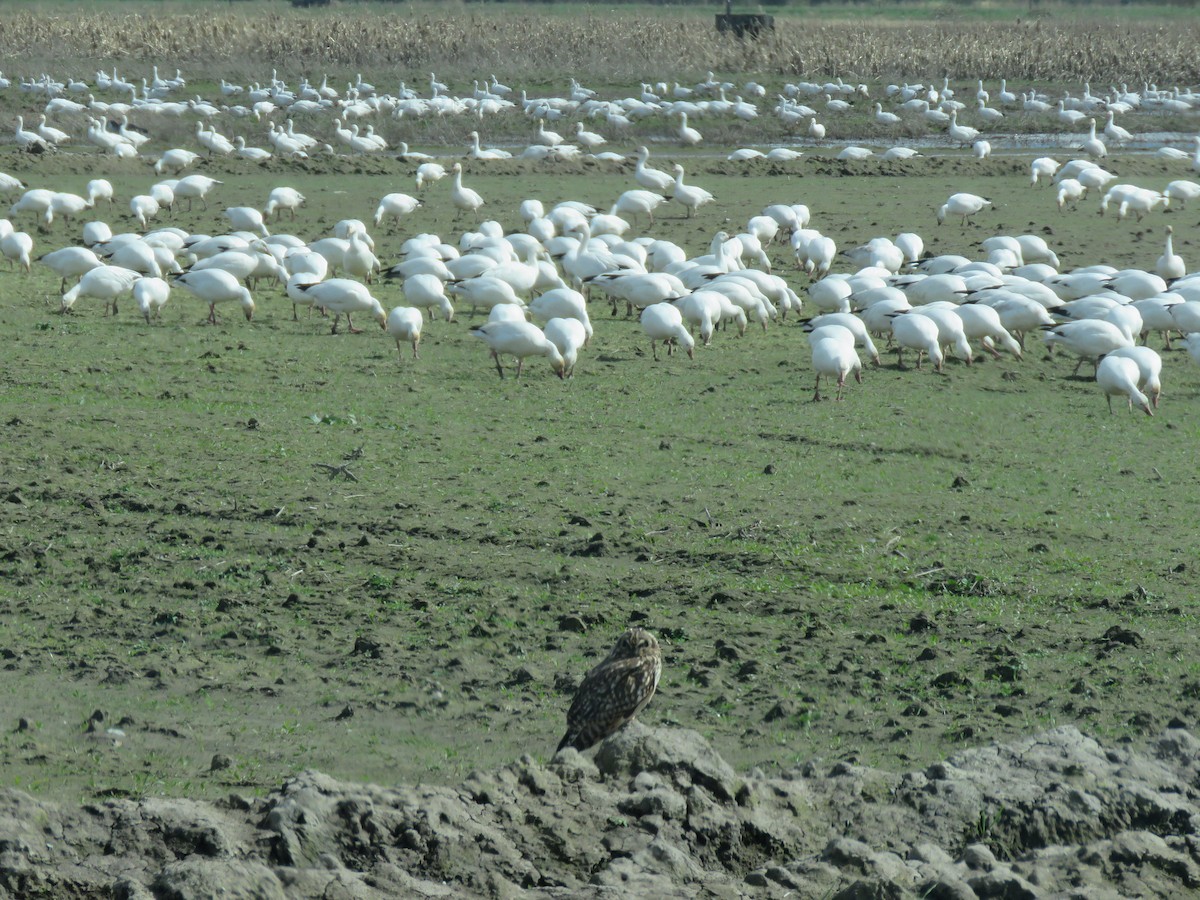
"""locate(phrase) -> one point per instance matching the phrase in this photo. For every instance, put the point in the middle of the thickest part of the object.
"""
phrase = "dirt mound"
(658, 813)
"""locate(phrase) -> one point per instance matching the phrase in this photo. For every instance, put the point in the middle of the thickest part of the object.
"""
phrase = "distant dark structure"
(302, 3)
(743, 25)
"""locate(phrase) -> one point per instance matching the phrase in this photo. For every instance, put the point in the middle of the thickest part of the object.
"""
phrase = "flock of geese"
(538, 283)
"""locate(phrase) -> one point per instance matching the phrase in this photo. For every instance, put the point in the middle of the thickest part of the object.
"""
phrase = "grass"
(172, 555)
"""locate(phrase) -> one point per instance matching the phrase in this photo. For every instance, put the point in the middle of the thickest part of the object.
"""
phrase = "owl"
(615, 691)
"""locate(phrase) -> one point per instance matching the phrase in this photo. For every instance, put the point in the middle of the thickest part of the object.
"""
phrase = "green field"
(937, 561)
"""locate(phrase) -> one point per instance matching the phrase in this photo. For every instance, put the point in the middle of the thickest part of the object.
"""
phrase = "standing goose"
(688, 136)
(464, 198)
(1092, 145)
(690, 196)
(650, 178)
(1170, 265)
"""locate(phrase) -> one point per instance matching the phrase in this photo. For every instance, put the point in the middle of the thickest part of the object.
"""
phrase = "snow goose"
(17, 247)
(951, 330)
(1182, 191)
(428, 173)
(66, 205)
(70, 262)
(360, 260)
(520, 339)
(464, 198)
(150, 295)
(282, 198)
(981, 149)
(29, 141)
(50, 134)
(688, 136)
(650, 178)
(486, 291)
(217, 286)
(690, 196)
(568, 335)
(1043, 166)
(9, 184)
(395, 205)
(1089, 339)
(426, 291)
(403, 325)
(1149, 365)
(195, 187)
(1118, 376)
(107, 283)
(664, 322)
(918, 333)
(1092, 145)
(246, 218)
(1114, 131)
(851, 323)
(834, 356)
(345, 297)
(562, 303)
(963, 205)
(254, 154)
(980, 322)
(962, 135)
(1170, 265)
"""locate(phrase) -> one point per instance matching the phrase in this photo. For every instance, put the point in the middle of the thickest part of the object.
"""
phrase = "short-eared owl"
(615, 691)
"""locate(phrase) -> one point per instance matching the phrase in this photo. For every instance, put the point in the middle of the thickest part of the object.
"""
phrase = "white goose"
(569, 336)
(918, 333)
(217, 286)
(650, 178)
(688, 136)
(107, 283)
(520, 339)
(1149, 365)
(963, 205)
(425, 291)
(464, 198)
(1118, 376)
(345, 297)
(834, 356)
(1170, 265)
(282, 198)
(404, 326)
(664, 322)
(395, 205)
(562, 303)
(151, 294)
(690, 196)
(1092, 145)
(71, 262)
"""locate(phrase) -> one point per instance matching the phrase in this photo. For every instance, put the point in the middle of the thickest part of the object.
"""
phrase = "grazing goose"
(71, 262)
(425, 291)
(395, 205)
(282, 198)
(664, 322)
(216, 286)
(918, 333)
(404, 326)
(834, 356)
(963, 205)
(343, 296)
(150, 294)
(1089, 339)
(568, 335)
(562, 303)
(1118, 376)
(106, 283)
(430, 172)
(520, 339)
(1149, 365)
(17, 247)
